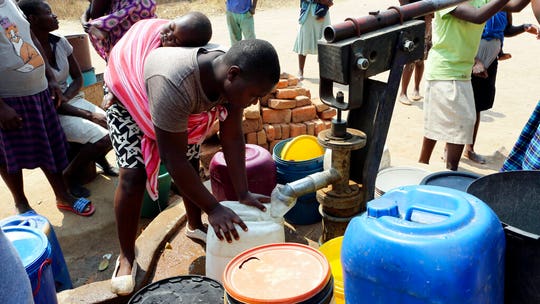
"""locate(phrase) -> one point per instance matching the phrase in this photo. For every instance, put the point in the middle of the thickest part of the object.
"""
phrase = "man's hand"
(254, 200)
(9, 119)
(222, 220)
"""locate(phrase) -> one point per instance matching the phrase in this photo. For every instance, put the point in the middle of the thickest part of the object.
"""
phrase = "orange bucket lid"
(276, 273)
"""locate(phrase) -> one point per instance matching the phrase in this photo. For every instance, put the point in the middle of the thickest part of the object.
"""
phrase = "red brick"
(251, 138)
(327, 114)
(251, 125)
(285, 130)
(297, 129)
(277, 131)
(276, 116)
(272, 144)
(282, 83)
(264, 100)
(280, 104)
(303, 91)
(304, 113)
(319, 105)
(270, 132)
(327, 124)
(293, 80)
(253, 111)
(319, 126)
(302, 100)
(287, 93)
(265, 145)
(285, 75)
(310, 127)
(261, 137)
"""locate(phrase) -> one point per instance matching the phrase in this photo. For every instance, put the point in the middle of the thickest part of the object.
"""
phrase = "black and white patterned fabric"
(126, 139)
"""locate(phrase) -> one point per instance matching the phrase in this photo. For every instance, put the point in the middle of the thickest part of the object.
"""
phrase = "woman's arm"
(232, 142)
(76, 75)
(172, 150)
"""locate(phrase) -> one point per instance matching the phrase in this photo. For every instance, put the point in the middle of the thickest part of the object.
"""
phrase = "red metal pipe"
(352, 27)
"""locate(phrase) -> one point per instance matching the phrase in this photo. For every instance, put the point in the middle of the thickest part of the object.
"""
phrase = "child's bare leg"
(469, 149)
(405, 80)
(14, 182)
(418, 73)
(453, 154)
(427, 149)
(301, 64)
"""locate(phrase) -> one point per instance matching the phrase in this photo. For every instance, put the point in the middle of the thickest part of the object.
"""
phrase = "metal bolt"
(408, 46)
(362, 63)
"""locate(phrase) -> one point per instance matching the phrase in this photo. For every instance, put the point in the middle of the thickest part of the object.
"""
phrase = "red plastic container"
(261, 174)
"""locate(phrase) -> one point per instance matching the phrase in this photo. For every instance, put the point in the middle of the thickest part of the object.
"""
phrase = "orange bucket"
(279, 273)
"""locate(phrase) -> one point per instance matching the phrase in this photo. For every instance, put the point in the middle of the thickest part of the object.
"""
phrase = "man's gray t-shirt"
(174, 88)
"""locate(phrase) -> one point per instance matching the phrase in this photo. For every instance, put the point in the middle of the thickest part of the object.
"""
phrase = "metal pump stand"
(354, 51)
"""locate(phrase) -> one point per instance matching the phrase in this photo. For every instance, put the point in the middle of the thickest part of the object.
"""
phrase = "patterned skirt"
(40, 142)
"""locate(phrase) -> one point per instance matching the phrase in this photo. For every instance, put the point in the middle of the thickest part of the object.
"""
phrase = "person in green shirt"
(449, 111)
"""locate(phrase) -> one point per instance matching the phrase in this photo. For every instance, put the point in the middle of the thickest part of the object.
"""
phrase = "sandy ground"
(517, 94)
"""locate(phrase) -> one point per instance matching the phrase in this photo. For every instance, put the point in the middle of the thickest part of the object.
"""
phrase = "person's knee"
(132, 178)
(104, 144)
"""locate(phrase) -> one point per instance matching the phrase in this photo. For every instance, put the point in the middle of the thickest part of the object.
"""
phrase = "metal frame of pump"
(370, 105)
(349, 57)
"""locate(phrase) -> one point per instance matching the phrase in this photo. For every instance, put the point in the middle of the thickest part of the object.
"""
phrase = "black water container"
(188, 289)
(515, 198)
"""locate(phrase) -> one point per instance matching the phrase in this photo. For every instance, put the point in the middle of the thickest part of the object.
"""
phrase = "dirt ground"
(85, 240)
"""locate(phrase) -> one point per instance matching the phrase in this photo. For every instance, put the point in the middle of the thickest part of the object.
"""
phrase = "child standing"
(30, 133)
(449, 112)
(240, 19)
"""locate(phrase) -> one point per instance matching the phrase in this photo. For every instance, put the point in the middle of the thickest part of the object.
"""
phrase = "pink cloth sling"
(124, 75)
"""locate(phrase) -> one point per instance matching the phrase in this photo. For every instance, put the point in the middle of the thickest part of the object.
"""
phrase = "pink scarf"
(124, 75)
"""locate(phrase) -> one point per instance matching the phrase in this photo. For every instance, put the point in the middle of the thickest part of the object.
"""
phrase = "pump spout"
(284, 197)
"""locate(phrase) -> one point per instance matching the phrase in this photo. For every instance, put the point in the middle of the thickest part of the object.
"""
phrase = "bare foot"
(300, 75)
(505, 56)
(22, 207)
(416, 95)
(474, 157)
(404, 100)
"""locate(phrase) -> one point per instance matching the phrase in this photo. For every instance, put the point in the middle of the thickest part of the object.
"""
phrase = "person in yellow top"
(449, 111)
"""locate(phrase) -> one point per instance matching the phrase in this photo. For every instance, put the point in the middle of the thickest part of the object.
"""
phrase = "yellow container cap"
(302, 147)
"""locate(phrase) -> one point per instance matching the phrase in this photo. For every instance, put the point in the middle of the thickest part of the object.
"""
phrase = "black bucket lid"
(450, 179)
(181, 289)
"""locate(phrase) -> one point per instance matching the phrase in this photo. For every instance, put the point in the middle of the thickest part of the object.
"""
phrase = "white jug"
(262, 229)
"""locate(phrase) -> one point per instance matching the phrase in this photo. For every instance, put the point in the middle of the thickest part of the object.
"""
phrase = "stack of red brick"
(286, 112)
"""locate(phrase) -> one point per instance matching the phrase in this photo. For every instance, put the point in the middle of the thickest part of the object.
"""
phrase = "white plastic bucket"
(262, 229)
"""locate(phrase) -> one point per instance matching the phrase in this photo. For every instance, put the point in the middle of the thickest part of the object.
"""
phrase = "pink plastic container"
(261, 174)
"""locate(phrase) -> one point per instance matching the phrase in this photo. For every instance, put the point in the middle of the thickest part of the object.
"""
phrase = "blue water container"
(306, 209)
(34, 220)
(424, 244)
(34, 250)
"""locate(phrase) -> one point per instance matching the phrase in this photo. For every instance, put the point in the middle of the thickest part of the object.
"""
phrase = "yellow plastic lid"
(302, 147)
